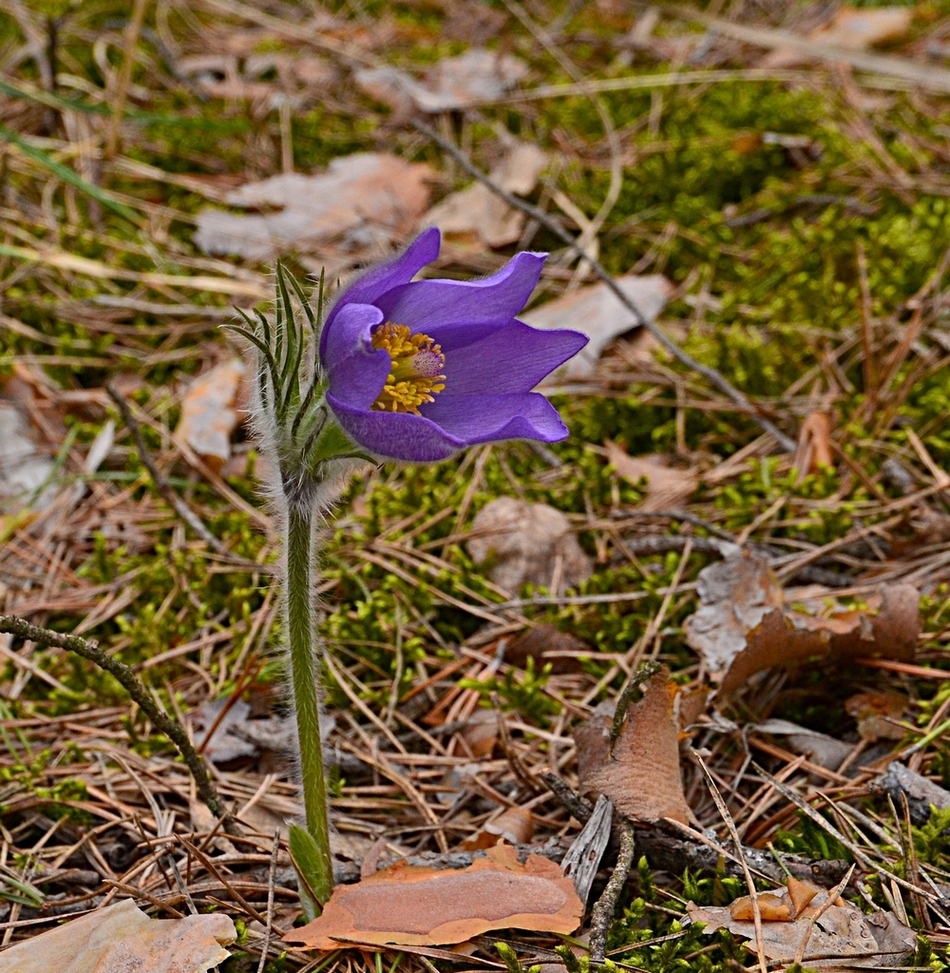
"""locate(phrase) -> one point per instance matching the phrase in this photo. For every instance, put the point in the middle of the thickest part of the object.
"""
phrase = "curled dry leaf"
(480, 732)
(527, 543)
(819, 748)
(640, 774)
(814, 444)
(209, 413)
(365, 189)
(481, 218)
(667, 486)
(406, 905)
(122, 937)
(836, 936)
(743, 626)
(600, 315)
(515, 826)
(795, 898)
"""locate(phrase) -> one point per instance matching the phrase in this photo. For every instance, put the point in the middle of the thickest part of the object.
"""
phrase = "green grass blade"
(67, 175)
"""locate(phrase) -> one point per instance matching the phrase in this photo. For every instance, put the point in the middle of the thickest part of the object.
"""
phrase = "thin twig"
(271, 881)
(164, 488)
(603, 912)
(720, 381)
(130, 682)
(578, 806)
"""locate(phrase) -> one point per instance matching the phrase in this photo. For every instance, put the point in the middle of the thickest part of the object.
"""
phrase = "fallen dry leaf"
(877, 715)
(122, 937)
(793, 900)
(515, 826)
(547, 645)
(840, 938)
(852, 29)
(857, 29)
(527, 543)
(688, 706)
(480, 732)
(640, 774)
(743, 626)
(476, 76)
(667, 486)
(239, 75)
(25, 466)
(819, 748)
(600, 315)
(406, 905)
(238, 737)
(31, 432)
(371, 188)
(477, 216)
(208, 412)
(814, 444)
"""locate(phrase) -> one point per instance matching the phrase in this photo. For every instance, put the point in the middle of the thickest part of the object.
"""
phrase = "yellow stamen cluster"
(414, 373)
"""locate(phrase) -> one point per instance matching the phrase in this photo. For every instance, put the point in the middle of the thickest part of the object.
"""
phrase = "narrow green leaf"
(258, 343)
(295, 340)
(307, 860)
(68, 175)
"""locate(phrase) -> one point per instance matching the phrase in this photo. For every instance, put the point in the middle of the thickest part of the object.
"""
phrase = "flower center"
(414, 372)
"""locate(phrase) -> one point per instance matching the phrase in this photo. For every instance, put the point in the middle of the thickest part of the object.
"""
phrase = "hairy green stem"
(304, 678)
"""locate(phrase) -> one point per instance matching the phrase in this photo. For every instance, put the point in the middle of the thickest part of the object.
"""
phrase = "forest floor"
(753, 501)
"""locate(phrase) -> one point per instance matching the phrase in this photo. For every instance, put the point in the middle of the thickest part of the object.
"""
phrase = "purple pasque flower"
(418, 370)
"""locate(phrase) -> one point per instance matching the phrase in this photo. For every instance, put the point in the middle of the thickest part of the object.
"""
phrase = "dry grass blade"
(936, 79)
(753, 894)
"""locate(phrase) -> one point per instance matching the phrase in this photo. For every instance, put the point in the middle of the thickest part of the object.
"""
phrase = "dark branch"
(89, 649)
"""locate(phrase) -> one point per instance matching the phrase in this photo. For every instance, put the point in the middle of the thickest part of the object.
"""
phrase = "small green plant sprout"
(511, 960)
(397, 369)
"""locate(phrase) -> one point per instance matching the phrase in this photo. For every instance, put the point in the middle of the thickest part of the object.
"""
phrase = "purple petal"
(486, 418)
(367, 288)
(511, 359)
(357, 372)
(395, 435)
(459, 306)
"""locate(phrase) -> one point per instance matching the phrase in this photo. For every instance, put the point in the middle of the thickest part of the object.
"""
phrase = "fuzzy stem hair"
(303, 648)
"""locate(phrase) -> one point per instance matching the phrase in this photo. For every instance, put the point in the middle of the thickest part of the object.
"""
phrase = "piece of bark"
(921, 793)
(582, 860)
